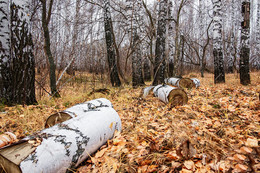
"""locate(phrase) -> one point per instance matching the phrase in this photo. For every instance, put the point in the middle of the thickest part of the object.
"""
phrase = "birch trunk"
(172, 95)
(159, 64)
(170, 40)
(64, 146)
(219, 73)
(111, 56)
(134, 9)
(16, 54)
(46, 16)
(76, 110)
(245, 50)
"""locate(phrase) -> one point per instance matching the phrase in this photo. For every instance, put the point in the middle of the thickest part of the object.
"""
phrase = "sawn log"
(62, 146)
(180, 82)
(172, 95)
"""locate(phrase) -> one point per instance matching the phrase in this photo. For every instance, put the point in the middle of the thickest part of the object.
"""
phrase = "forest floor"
(217, 131)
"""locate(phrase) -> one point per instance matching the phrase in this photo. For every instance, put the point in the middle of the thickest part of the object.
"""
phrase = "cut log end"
(177, 97)
(186, 83)
(57, 118)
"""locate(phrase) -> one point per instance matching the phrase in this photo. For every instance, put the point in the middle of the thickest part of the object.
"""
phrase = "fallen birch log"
(172, 95)
(63, 146)
(76, 110)
(180, 82)
(196, 82)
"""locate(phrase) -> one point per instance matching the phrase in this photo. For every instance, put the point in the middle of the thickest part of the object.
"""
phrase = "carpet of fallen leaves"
(217, 131)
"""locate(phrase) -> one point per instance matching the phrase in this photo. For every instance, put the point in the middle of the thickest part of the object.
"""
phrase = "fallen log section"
(62, 146)
(76, 110)
(182, 82)
(196, 82)
(168, 94)
(172, 95)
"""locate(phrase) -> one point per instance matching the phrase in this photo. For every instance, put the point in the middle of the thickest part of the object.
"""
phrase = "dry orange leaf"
(241, 168)
(252, 142)
(189, 165)
(100, 153)
(246, 150)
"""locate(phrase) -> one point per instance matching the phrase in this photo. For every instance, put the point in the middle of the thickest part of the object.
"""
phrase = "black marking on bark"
(32, 158)
(79, 142)
(156, 91)
(62, 140)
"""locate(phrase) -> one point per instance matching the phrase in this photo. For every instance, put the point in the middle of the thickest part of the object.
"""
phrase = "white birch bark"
(258, 33)
(170, 39)
(4, 44)
(172, 81)
(173, 95)
(77, 110)
(219, 74)
(66, 145)
(196, 82)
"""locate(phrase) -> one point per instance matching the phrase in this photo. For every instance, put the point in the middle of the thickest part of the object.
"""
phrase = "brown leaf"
(239, 157)
(241, 168)
(189, 165)
(252, 142)
(246, 150)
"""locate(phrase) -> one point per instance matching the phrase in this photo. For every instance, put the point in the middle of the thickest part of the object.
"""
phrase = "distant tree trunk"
(137, 75)
(46, 16)
(231, 42)
(257, 61)
(147, 70)
(159, 65)
(182, 43)
(17, 68)
(134, 9)
(114, 78)
(245, 50)
(219, 73)
(177, 40)
(71, 69)
(170, 40)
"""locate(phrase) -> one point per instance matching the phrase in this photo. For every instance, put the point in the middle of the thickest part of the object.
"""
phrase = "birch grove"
(149, 40)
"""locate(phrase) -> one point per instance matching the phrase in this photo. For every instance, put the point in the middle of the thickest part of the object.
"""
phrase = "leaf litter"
(217, 131)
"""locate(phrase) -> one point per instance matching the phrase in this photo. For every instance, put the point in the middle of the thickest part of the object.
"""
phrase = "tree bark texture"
(245, 50)
(16, 52)
(64, 146)
(76, 110)
(111, 56)
(219, 73)
(160, 61)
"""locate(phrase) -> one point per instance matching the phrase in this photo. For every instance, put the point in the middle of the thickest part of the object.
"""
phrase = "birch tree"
(17, 73)
(134, 8)
(245, 49)
(219, 73)
(111, 56)
(159, 63)
(258, 35)
(46, 17)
